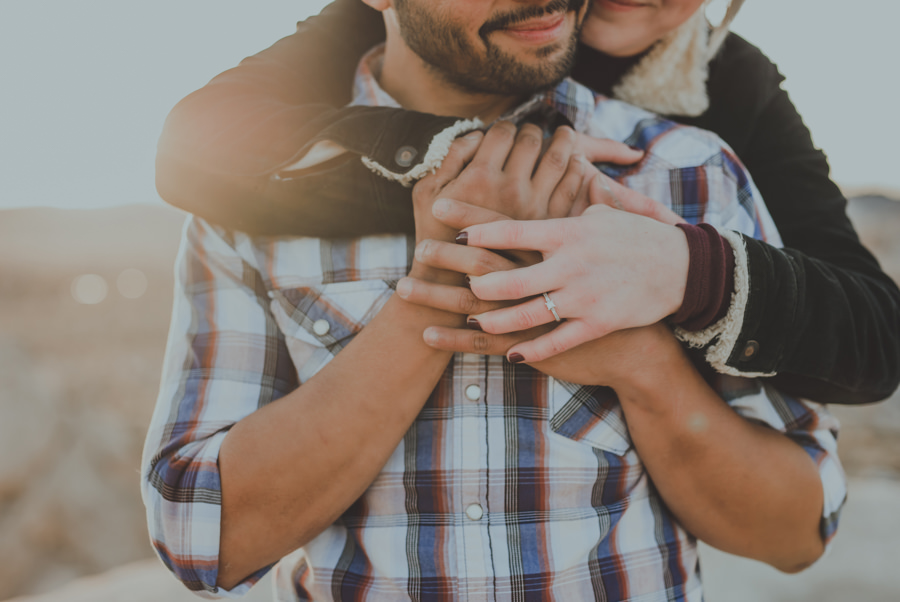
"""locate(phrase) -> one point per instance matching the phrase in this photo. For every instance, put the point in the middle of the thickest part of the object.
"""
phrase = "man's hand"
(510, 173)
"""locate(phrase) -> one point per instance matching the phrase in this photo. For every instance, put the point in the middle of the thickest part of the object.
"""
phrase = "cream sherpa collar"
(671, 79)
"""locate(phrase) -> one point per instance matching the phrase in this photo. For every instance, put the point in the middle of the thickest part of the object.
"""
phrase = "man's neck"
(417, 87)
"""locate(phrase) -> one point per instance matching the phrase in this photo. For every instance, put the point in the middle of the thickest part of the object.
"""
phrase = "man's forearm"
(741, 487)
(291, 468)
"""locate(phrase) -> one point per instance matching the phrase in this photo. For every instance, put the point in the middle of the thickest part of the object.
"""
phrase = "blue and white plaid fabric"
(560, 505)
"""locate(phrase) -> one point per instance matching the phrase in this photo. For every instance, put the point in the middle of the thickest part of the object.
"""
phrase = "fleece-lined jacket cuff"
(401, 146)
(720, 339)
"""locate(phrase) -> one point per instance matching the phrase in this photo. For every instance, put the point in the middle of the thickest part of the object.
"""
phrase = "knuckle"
(556, 158)
(467, 303)
(481, 342)
(477, 172)
(483, 264)
(504, 129)
(523, 318)
(427, 250)
(565, 133)
(532, 129)
(426, 188)
(556, 347)
(530, 135)
(515, 230)
(516, 288)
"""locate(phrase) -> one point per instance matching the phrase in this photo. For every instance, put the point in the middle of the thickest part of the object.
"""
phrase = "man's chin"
(536, 55)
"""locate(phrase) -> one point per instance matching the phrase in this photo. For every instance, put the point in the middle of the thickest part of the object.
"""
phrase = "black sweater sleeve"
(223, 147)
(821, 313)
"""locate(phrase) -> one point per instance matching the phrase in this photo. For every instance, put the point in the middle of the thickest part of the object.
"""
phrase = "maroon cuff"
(710, 280)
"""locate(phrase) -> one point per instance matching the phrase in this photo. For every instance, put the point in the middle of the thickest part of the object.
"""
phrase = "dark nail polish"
(468, 281)
(516, 358)
(462, 238)
(634, 148)
(473, 324)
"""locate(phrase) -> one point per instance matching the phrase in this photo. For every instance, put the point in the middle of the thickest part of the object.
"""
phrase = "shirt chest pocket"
(318, 321)
(590, 415)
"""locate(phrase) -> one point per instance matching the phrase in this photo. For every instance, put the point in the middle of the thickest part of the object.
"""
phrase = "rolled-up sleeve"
(225, 358)
(808, 424)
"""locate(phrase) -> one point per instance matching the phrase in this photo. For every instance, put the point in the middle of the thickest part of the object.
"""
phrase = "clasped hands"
(507, 218)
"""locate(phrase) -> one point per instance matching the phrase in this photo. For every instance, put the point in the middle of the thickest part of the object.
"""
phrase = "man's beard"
(444, 46)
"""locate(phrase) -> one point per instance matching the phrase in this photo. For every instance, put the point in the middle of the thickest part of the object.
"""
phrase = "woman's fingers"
(563, 338)
(465, 260)
(520, 283)
(535, 235)
(521, 316)
(455, 299)
(459, 215)
(606, 191)
(604, 150)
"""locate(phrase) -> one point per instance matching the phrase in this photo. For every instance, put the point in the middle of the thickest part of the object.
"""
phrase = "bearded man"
(303, 419)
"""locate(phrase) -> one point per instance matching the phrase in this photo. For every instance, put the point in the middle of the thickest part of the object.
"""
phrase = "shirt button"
(405, 156)
(473, 392)
(474, 512)
(321, 327)
(750, 350)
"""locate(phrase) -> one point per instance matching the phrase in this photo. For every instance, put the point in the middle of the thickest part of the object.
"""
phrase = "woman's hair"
(671, 79)
(720, 31)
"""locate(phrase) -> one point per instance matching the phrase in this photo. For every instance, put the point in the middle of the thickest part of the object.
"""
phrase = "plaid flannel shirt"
(510, 485)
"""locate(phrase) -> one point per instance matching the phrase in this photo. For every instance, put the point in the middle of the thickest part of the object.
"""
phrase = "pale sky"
(86, 84)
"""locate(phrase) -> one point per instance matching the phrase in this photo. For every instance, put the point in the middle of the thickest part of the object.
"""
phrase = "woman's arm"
(226, 150)
(821, 313)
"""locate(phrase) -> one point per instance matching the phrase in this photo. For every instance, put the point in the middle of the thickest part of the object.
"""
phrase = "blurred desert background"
(84, 307)
(85, 293)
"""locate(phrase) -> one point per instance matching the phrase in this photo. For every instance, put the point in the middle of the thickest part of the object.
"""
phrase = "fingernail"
(634, 148)
(462, 238)
(404, 288)
(473, 135)
(474, 324)
(468, 281)
(516, 358)
(430, 336)
(440, 208)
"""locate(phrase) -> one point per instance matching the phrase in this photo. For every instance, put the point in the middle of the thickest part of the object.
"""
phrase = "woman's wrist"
(710, 278)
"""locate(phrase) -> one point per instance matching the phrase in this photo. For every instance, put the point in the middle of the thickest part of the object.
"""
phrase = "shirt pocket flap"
(329, 315)
(590, 415)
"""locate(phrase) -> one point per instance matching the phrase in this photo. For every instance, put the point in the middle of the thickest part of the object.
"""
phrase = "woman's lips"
(538, 31)
(620, 5)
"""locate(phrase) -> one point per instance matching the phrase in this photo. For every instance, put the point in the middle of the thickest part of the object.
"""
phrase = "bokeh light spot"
(89, 289)
(132, 283)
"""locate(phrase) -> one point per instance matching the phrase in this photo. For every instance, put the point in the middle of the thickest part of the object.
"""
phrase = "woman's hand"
(607, 270)
(603, 190)
(614, 359)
